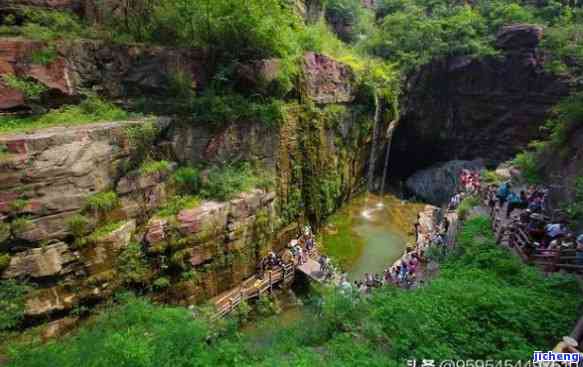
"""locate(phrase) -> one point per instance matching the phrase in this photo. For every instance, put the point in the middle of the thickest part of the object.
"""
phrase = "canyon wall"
(467, 108)
(317, 155)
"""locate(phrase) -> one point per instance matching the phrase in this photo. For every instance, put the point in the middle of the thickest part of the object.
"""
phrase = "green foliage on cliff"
(466, 205)
(90, 110)
(222, 109)
(30, 88)
(187, 180)
(44, 56)
(4, 262)
(46, 25)
(132, 265)
(223, 183)
(102, 203)
(575, 207)
(546, 155)
(413, 32)
(78, 225)
(174, 204)
(482, 298)
(12, 303)
(155, 167)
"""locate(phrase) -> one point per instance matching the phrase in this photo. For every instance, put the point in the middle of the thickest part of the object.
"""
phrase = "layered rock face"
(467, 108)
(317, 156)
(117, 72)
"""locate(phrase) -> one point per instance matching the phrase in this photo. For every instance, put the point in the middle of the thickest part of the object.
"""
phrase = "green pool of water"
(370, 233)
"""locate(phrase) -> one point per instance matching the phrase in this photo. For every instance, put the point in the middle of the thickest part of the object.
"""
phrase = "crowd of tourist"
(549, 234)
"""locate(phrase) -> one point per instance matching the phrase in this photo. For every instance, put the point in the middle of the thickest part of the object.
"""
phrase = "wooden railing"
(514, 234)
(252, 288)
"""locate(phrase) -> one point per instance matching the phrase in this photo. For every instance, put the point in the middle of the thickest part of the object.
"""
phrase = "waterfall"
(390, 131)
(373, 149)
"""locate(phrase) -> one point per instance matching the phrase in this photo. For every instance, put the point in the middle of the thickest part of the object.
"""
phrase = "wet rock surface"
(438, 183)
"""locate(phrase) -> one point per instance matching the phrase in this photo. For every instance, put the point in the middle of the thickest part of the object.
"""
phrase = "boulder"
(10, 98)
(50, 261)
(49, 300)
(136, 181)
(519, 36)
(59, 328)
(119, 238)
(208, 214)
(327, 80)
(156, 230)
(438, 183)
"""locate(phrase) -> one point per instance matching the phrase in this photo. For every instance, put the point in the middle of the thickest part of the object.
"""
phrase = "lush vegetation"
(547, 155)
(412, 32)
(90, 110)
(481, 306)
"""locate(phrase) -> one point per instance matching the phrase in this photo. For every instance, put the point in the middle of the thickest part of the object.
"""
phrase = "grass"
(30, 88)
(155, 167)
(103, 202)
(102, 232)
(466, 205)
(223, 183)
(177, 203)
(90, 110)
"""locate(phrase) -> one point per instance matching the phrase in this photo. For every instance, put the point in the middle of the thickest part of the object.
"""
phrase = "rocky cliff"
(468, 108)
(317, 155)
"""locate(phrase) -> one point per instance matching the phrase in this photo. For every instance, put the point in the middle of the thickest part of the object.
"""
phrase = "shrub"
(155, 167)
(103, 203)
(102, 232)
(161, 283)
(224, 182)
(466, 205)
(18, 204)
(575, 207)
(187, 180)
(528, 164)
(4, 262)
(223, 109)
(175, 204)
(141, 138)
(31, 89)
(89, 110)
(21, 225)
(12, 303)
(132, 265)
(45, 25)
(4, 231)
(78, 225)
(44, 56)
(491, 177)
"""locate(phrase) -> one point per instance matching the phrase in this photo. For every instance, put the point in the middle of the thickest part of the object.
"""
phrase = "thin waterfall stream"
(390, 131)
(372, 160)
(373, 149)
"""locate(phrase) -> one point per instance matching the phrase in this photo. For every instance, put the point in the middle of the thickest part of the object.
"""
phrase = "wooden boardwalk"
(511, 233)
(252, 288)
(256, 286)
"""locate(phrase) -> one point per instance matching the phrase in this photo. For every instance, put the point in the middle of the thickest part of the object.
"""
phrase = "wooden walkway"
(255, 286)
(511, 233)
(252, 288)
